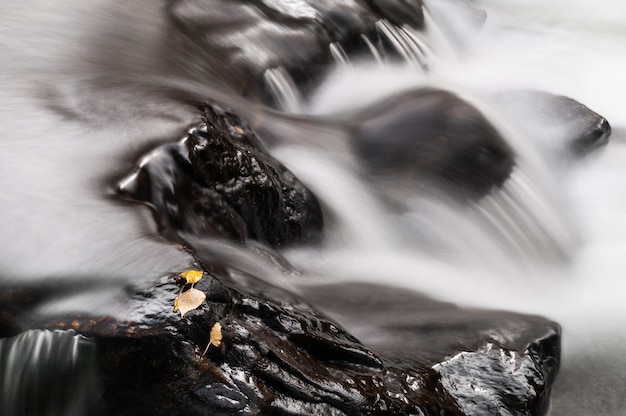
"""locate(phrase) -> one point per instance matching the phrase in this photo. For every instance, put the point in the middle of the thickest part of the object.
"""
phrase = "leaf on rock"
(215, 337)
(188, 300)
(192, 276)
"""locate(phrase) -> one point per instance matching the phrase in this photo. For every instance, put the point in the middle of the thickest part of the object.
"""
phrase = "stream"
(87, 91)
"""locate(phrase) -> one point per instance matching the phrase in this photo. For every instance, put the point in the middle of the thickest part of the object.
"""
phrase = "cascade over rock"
(252, 36)
(335, 349)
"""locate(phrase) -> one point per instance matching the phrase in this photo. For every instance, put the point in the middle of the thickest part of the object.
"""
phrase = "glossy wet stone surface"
(219, 182)
(467, 361)
(361, 349)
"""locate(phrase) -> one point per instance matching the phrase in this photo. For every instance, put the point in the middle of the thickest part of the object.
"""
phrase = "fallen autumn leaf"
(188, 300)
(215, 337)
(192, 276)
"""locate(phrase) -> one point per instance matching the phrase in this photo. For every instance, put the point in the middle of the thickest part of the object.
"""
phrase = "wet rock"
(568, 126)
(451, 360)
(276, 356)
(29, 304)
(238, 42)
(362, 349)
(16, 302)
(219, 182)
(433, 136)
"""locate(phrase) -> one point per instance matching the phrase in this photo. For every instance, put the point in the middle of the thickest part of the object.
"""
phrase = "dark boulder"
(278, 355)
(451, 360)
(433, 136)
(219, 182)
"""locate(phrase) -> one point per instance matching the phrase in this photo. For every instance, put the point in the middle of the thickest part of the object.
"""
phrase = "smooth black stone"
(432, 135)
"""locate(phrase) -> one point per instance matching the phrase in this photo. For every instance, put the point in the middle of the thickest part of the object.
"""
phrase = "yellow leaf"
(192, 276)
(215, 337)
(176, 304)
(188, 300)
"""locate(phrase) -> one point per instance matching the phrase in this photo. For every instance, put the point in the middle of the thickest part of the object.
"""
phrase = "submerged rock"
(568, 126)
(219, 182)
(433, 136)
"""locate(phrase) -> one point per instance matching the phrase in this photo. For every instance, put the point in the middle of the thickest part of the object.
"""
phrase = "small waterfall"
(403, 43)
(513, 229)
(421, 44)
(47, 373)
(283, 89)
(412, 47)
(339, 55)
(375, 53)
(452, 27)
(436, 36)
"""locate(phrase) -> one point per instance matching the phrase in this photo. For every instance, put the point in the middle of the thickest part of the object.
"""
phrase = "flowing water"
(551, 242)
(47, 372)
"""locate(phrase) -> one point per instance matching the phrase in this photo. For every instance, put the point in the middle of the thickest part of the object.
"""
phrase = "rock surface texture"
(278, 355)
(219, 182)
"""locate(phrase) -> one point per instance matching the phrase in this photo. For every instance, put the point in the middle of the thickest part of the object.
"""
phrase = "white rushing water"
(555, 246)
(67, 123)
(552, 242)
(47, 372)
(578, 207)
